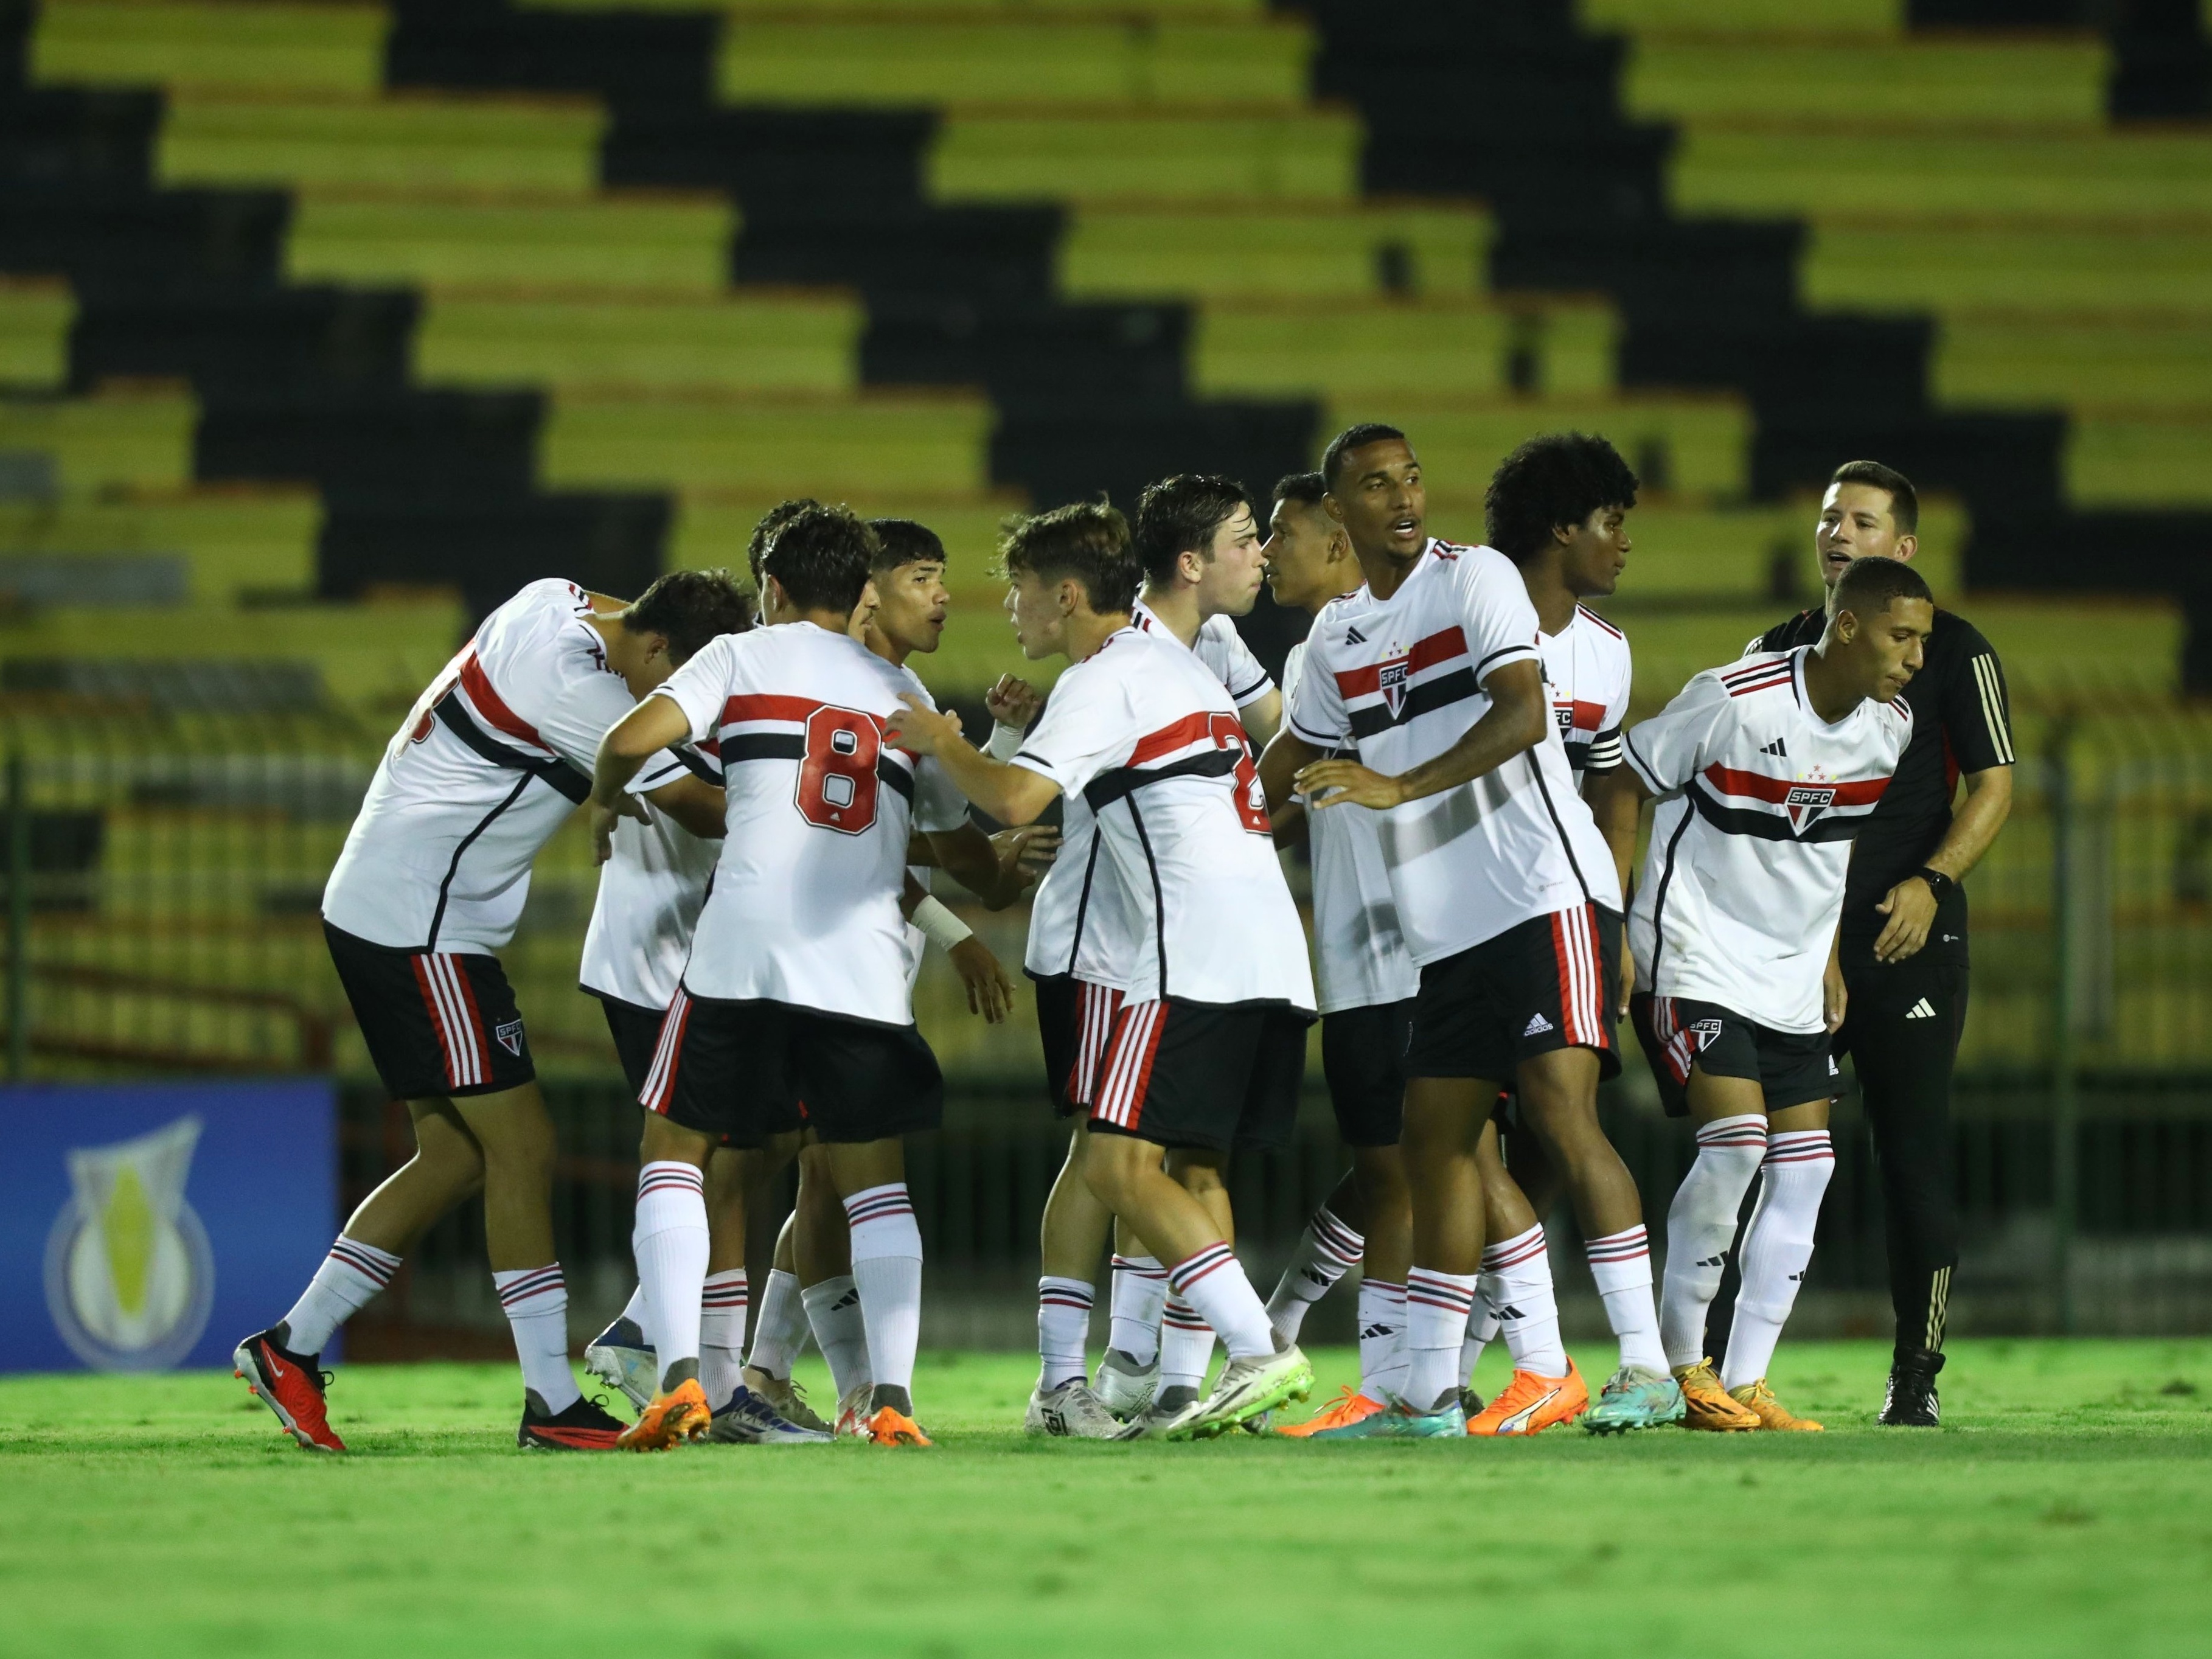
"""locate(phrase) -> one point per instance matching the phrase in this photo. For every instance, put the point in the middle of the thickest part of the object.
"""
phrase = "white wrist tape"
(1006, 741)
(939, 925)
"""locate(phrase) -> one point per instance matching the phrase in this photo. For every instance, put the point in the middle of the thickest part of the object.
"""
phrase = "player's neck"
(1352, 585)
(1384, 574)
(1087, 631)
(1548, 591)
(1831, 685)
(886, 647)
(1177, 609)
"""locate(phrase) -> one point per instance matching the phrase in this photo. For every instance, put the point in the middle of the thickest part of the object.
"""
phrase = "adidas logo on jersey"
(1353, 637)
(1920, 1009)
(1537, 1026)
(1776, 749)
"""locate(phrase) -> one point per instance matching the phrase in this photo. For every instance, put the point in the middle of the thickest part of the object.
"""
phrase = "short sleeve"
(582, 715)
(702, 686)
(1666, 750)
(1315, 704)
(938, 807)
(1084, 731)
(1974, 708)
(673, 765)
(1605, 747)
(1241, 674)
(1494, 611)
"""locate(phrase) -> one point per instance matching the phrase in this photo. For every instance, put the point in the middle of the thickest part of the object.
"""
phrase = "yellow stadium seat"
(294, 48)
(1695, 446)
(238, 541)
(127, 434)
(1373, 351)
(1012, 10)
(2139, 459)
(36, 319)
(1307, 156)
(2008, 267)
(2150, 360)
(1274, 250)
(1831, 18)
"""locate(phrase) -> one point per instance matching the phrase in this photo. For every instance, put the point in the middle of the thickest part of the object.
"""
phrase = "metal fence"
(166, 847)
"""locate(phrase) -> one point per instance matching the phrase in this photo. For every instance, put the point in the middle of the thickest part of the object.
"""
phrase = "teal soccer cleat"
(1635, 1397)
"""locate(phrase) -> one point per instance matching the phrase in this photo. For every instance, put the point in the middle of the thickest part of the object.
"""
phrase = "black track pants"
(1901, 1029)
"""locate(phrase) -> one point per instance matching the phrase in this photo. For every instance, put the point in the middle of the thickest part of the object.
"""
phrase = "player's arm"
(1287, 754)
(1516, 720)
(698, 806)
(990, 992)
(1615, 798)
(1835, 994)
(1263, 715)
(652, 727)
(971, 858)
(1012, 794)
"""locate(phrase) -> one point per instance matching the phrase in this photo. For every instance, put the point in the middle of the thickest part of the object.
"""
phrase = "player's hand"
(990, 992)
(923, 730)
(1833, 995)
(1013, 702)
(1030, 849)
(1911, 909)
(1346, 782)
(603, 822)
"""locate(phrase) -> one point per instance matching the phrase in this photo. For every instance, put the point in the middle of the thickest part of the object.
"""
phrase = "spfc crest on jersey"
(1806, 802)
(1393, 679)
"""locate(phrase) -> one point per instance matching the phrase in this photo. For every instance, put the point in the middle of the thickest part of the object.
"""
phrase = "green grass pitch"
(2066, 1508)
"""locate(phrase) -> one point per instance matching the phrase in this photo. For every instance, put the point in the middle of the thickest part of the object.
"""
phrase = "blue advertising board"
(144, 1226)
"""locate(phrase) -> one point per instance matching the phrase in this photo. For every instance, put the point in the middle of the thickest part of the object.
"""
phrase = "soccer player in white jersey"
(431, 882)
(796, 988)
(1765, 770)
(1207, 1050)
(1506, 893)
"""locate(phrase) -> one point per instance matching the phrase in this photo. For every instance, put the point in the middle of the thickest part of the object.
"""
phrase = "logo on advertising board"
(130, 1274)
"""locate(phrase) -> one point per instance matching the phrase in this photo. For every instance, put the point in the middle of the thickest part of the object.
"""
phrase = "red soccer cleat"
(292, 1386)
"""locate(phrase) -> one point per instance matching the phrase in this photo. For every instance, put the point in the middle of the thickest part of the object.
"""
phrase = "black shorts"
(438, 1024)
(738, 1070)
(1362, 1055)
(636, 1031)
(1547, 983)
(1199, 1074)
(1792, 1067)
(1074, 1019)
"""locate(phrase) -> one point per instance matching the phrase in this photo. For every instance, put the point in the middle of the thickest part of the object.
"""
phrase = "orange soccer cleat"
(673, 1418)
(1349, 1408)
(890, 1426)
(1530, 1404)
(1758, 1400)
(1706, 1405)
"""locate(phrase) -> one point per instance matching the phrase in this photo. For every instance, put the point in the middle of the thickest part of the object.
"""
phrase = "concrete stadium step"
(647, 242)
(1376, 350)
(1876, 264)
(124, 434)
(1138, 156)
(241, 542)
(759, 340)
(36, 319)
(2113, 360)
(876, 442)
(953, 59)
(334, 48)
(1695, 446)
(1274, 250)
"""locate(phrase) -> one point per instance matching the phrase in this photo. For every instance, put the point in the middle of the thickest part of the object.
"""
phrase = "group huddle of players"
(771, 790)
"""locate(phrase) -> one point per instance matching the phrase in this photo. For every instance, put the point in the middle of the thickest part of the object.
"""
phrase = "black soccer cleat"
(1909, 1402)
(584, 1425)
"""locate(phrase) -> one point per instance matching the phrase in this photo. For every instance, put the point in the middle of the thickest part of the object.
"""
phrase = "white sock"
(779, 1325)
(1185, 1346)
(887, 1268)
(1063, 1331)
(671, 1242)
(833, 1312)
(1701, 1228)
(722, 1333)
(1327, 1251)
(1382, 1356)
(1621, 1264)
(1140, 1289)
(1527, 1311)
(537, 1304)
(1212, 1282)
(1436, 1309)
(1777, 1248)
(1482, 1332)
(348, 1280)
(639, 1312)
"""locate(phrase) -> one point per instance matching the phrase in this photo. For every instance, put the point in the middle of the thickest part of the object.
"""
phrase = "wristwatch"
(1939, 885)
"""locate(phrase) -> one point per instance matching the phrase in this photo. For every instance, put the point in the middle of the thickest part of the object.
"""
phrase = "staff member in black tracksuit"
(1904, 931)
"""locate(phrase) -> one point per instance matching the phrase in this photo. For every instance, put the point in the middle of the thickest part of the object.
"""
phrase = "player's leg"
(740, 1185)
(1516, 1286)
(1129, 1370)
(1902, 1035)
(1359, 1062)
(1445, 1120)
(620, 1356)
(822, 1253)
(778, 1332)
(1072, 1239)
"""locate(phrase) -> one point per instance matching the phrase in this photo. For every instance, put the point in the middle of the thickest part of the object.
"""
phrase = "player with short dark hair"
(1765, 771)
(1904, 926)
(427, 891)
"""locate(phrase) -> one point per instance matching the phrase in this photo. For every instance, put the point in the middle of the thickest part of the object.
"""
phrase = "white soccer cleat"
(1070, 1411)
(1123, 1387)
(1246, 1388)
(619, 1357)
(854, 1410)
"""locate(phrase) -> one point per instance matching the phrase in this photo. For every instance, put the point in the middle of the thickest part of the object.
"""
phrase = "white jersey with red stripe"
(651, 889)
(1059, 905)
(1760, 801)
(1146, 735)
(1400, 680)
(1589, 672)
(805, 908)
(1360, 959)
(493, 755)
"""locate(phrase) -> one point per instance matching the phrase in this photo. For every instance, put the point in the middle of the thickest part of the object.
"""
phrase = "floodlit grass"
(2066, 1508)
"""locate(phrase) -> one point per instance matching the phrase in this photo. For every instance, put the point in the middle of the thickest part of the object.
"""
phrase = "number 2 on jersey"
(1228, 733)
(837, 774)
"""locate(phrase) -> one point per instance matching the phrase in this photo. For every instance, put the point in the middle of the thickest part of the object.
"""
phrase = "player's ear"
(1333, 507)
(1907, 546)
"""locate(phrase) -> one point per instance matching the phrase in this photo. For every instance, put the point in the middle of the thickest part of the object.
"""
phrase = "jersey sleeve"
(1241, 674)
(702, 685)
(1974, 708)
(581, 714)
(1494, 612)
(1667, 750)
(1605, 748)
(1085, 730)
(1316, 705)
